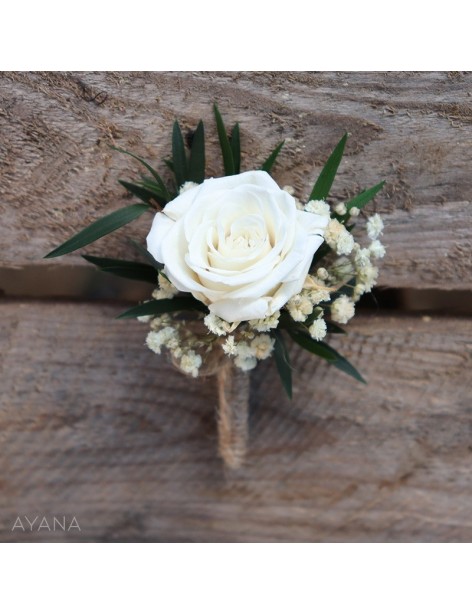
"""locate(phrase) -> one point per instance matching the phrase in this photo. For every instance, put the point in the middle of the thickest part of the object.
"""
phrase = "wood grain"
(57, 172)
(93, 425)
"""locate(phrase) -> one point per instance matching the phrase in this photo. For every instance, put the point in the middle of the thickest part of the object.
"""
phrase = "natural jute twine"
(233, 413)
(233, 406)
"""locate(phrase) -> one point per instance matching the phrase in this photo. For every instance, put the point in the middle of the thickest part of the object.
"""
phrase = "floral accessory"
(239, 264)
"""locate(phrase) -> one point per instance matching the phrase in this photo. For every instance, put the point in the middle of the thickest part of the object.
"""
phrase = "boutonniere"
(239, 266)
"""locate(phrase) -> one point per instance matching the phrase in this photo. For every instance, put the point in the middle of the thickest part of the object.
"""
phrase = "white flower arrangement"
(239, 264)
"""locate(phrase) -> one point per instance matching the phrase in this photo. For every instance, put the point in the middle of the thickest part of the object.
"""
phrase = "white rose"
(238, 244)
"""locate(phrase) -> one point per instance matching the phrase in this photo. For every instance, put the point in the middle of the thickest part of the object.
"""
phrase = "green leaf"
(228, 160)
(146, 255)
(196, 171)
(100, 228)
(320, 253)
(179, 158)
(142, 192)
(331, 327)
(314, 315)
(153, 172)
(154, 188)
(282, 361)
(235, 142)
(326, 352)
(364, 197)
(166, 305)
(325, 180)
(269, 163)
(169, 164)
(125, 268)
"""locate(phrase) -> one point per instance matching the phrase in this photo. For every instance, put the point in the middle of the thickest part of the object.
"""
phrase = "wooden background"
(94, 426)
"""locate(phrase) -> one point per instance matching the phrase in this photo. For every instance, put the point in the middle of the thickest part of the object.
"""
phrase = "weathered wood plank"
(57, 172)
(93, 425)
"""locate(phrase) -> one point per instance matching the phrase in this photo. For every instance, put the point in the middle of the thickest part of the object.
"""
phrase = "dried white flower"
(362, 257)
(376, 249)
(345, 243)
(246, 357)
(229, 346)
(332, 233)
(165, 290)
(342, 309)
(190, 363)
(342, 268)
(299, 307)
(320, 207)
(265, 324)
(262, 346)
(368, 276)
(338, 238)
(176, 352)
(314, 289)
(144, 319)
(245, 363)
(318, 329)
(359, 290)
(188, 185)
(156, 339)
(354, 211)
(173, 343)
(374, 226)
(161, 321)
(216, 325)
(244, 350)
(340, 209)
(322, 274)
(318, 296)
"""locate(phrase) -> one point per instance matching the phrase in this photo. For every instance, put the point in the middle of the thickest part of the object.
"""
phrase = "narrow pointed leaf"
(146, 255)
(155, 189)
(282, 361)
(153, 172)
(196, 170)
(315, 314)
(125, 268)
(269, 163)
(236, 148)
(166, 305)
(179, 158)
(169, 164)
(364, 197)
(320, 253)
(142, 193)
(99, 229)
(228, 161)
(325, 180)
(326, 352)
(331, 327)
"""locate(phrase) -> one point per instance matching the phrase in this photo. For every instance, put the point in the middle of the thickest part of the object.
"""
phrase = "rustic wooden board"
(93, 425)
(57, 172)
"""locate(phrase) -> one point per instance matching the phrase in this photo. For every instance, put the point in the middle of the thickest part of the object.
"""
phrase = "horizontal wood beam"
(95, 426)
(58, 173)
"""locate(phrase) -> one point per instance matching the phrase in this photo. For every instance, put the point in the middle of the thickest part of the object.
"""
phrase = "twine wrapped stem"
(233, 413)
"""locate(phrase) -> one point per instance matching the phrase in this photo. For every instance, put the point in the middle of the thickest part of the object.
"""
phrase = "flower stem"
(233, 411)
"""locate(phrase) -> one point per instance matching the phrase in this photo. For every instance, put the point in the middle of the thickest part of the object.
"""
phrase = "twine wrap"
(233, 400)
(233, 413)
